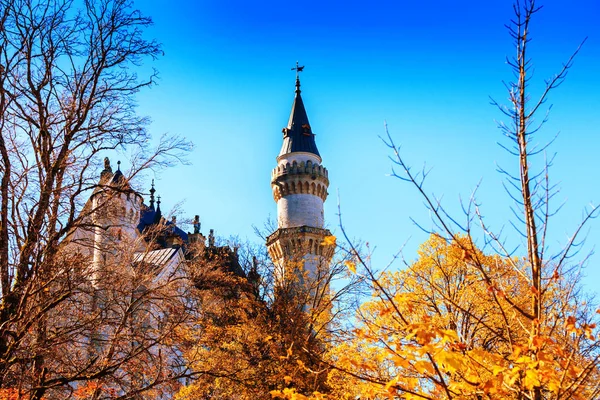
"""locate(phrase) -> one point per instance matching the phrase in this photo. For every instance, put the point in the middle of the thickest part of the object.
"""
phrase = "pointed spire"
(152, 190)
(298, 135)
(158, 213)
(118, 178)
(298, 69)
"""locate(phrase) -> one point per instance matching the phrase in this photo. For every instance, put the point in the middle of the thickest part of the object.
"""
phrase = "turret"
(116, 213)
(299, 183)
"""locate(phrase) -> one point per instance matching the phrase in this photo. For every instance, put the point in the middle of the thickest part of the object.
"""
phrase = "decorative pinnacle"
(152, 190)
(107, 171)
(107, 167)
(119, 165)
(298, 69)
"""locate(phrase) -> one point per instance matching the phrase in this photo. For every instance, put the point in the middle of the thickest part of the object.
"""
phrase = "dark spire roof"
(151, 217)
(298, 135)
(119, 181)
(118, 177)
(158, 213)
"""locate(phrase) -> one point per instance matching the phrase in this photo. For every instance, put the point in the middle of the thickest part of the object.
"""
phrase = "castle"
(118, 215)
(135, 266)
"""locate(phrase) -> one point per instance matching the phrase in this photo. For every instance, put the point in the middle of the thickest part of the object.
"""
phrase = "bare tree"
(67, 94)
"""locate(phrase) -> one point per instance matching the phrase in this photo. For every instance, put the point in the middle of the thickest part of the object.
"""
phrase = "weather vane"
(298, 69)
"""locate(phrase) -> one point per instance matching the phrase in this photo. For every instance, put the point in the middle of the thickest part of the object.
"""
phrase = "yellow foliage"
(11, 394)
(241, 347)
(291, 394)
(450, 325)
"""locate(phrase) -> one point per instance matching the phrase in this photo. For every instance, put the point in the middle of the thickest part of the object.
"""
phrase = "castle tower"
(299, 183)
(116, 213)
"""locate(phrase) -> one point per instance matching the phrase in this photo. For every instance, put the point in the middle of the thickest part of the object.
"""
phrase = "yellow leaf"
(328, 241)
(423, 367)
(401, 362)
(531, 378)
(351, 266)
(554, 386)
(451, 361)
(391, 383)
(497, 369)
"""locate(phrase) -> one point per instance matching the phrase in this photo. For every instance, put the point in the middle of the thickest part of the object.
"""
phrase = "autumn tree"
(259, 332)
(461, 323)
(442, 328)
(67, 96)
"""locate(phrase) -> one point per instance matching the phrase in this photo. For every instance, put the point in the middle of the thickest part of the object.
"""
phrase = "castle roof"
(151, 216)
(298, 135)
(113, 180)
(157, 258)
(119, 180)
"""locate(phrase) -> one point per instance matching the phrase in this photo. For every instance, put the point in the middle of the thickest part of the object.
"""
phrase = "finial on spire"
(119, 165)
(152, 190)
(107, 167)
(298, 69)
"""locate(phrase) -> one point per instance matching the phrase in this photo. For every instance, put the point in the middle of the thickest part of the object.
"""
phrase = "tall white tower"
(299, 184)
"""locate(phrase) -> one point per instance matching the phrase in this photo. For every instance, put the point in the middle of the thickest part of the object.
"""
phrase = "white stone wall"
(300, 209)
(131, 216)
(299, 157)
(117, 222)
(314, 263)
(311, 263)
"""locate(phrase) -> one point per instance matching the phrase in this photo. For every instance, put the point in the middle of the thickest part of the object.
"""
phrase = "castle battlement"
(295, 168)
(286, 185)
(300, 178)
(298, 242)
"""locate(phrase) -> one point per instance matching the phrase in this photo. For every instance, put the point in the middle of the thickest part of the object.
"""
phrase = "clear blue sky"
(428, 68)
